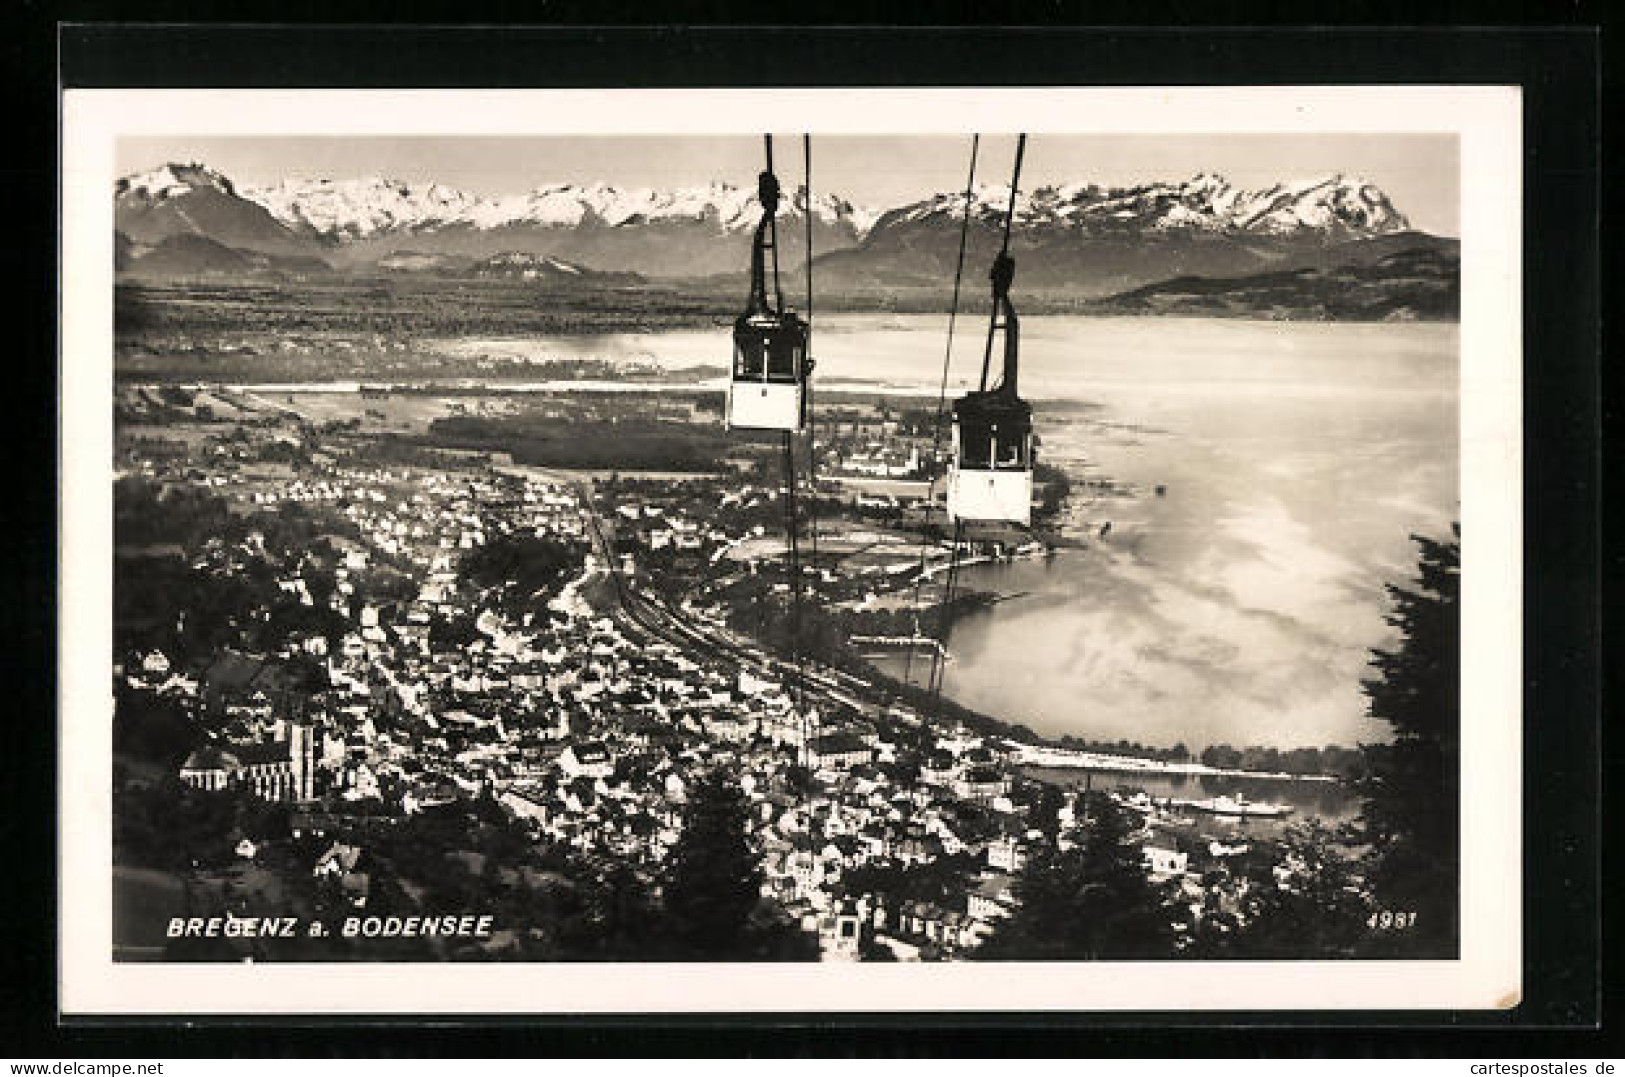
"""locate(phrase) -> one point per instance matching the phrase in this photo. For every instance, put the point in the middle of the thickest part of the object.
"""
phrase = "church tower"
(302, 757)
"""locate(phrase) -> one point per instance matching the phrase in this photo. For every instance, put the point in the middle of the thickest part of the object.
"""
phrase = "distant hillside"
(1093, 265)
(410, 261)
(1422, 282)
(185, 255)
(519, 265)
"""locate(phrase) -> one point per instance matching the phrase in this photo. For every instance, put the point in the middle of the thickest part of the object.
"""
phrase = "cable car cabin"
(991, 477)
(768, 390)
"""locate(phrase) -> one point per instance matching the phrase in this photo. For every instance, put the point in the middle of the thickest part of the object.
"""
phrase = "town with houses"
(585, 711)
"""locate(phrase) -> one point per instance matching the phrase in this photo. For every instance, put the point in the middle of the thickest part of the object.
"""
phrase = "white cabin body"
(764, 405)
(1000, 492)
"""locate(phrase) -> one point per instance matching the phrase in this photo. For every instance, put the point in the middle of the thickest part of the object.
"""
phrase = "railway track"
(833, 689)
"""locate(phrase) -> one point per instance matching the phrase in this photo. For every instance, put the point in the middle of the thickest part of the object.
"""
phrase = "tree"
(1304, 904)
(715, 877)
(1043, 812)
(1214, 925)
(152, 728)
(1411, 816)
(1091, 902)
(611, 919)
(520, 566)
(452, 633)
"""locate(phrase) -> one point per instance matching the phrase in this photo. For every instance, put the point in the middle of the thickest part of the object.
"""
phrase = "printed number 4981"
(1388, 920)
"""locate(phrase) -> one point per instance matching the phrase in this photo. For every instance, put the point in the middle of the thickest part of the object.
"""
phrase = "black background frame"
(1558, 67)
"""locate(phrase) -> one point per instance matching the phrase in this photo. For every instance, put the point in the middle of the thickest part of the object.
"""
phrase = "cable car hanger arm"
(767, 191)
(1002, 275)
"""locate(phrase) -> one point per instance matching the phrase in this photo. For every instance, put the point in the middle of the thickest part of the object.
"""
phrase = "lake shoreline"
(1058, 758)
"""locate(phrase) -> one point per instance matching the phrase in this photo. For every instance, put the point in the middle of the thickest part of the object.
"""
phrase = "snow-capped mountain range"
(1332, 205)
(365, 207)
(361, 208)
(1071, 235)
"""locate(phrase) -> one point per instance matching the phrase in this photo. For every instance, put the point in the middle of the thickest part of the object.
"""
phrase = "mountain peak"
(172, 180)
(1334, 203)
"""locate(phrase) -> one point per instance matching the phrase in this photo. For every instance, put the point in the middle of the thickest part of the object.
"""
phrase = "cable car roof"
(992, 402)
(770, 319)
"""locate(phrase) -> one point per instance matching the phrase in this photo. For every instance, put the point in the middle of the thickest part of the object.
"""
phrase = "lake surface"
(1240, 605)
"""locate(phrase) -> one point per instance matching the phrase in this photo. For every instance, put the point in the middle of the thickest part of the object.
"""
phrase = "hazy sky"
(1419, 172)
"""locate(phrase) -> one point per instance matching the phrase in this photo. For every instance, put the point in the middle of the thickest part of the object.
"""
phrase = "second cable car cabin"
(991, 476)
(768, 387)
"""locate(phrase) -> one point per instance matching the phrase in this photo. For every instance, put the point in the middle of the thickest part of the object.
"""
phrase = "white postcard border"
(1487, 121)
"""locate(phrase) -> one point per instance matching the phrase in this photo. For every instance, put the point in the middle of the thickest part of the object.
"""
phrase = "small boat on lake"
(1237, 806)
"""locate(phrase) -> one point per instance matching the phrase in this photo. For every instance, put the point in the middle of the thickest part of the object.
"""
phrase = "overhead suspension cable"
(812, 415)
(1015, 185)
(942, 401)
(1003, 273)
(793, 552)
(769, 195)
(939, 655)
